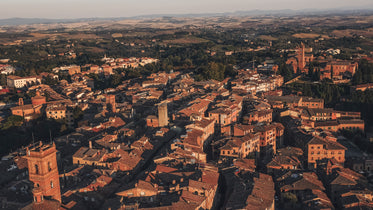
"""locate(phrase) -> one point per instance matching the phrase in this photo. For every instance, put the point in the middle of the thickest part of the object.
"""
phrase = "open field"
(64, 36)
(309, 36)
(268, 38)
(351, 33)
(185, 40)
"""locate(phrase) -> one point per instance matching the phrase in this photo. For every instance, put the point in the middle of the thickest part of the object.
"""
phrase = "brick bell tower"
(43, 170)
(110, 100)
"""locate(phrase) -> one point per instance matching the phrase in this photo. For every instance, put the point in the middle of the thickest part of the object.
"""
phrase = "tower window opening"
(36, 169)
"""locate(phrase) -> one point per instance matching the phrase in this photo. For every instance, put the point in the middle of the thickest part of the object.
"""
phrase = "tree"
(77, 113)
(307, 90)
(285, 71)
(115, 80)
(213, 70)
(364, 74)
(289, 198)
(12, 121)
(310, 70)
(2, 80)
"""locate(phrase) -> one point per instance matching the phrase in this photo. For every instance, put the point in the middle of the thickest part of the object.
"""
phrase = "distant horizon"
(202, 14)
(109, 9)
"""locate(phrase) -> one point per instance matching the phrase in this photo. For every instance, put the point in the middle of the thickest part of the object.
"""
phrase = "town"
(264, 126)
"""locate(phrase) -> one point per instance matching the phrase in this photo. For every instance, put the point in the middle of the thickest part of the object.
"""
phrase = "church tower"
(110, 100)
(301, 57)
(43, 170)
(162, 114)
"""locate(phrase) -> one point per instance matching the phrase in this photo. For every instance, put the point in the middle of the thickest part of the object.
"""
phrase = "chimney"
(90, 144)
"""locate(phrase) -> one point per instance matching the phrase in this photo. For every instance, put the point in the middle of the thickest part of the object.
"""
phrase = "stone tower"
(301, 57)
(110, 100)
(162, 114)
(43, 170)
(20, 102)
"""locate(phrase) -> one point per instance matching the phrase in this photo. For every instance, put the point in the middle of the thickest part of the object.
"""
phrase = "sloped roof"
(330, 145)
(305, 181)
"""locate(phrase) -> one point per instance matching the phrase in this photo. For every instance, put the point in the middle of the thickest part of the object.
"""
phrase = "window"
(36, 169)
(49, 166)
(51, 184)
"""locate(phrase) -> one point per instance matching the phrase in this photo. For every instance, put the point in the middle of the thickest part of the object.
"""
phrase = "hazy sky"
(125, 8)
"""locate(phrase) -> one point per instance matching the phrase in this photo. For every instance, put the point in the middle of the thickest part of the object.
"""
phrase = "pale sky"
(127, 8)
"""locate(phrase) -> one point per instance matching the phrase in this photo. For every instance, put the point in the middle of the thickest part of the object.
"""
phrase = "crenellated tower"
(43, 170)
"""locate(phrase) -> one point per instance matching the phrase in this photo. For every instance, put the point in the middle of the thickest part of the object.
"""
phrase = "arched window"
(51, 184)
(36, 169)
(49, 166)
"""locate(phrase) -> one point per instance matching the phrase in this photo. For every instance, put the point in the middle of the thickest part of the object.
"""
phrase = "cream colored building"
(20, 82)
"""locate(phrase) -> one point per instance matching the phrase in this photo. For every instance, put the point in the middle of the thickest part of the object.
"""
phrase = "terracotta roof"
(204, 122)
(45, 204)
(244, 127)
(262, 195)
(354, 121)
(245, 164)
(147, 186)
(210, 177)
(304, 181)
(191, 198)
(263, 128)
(330, 145)
(309, 99)
(346, 176)
(280, 160)
(326, 123)
(164, 169)
(290, 151)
